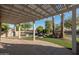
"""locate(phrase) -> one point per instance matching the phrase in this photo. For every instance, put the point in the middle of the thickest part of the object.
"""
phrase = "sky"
(57, 18)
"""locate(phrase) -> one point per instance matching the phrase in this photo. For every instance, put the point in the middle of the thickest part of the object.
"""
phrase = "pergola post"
(74, 43)
(53, 26)
(15, 29)
(34, 30)
(19, 32)
(0, 29)
(62, 26)
(0, 25)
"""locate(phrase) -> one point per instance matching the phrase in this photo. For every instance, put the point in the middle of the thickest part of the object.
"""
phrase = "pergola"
(19, 13)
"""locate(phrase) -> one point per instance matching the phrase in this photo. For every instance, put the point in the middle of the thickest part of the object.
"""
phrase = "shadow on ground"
(27, 49)
(78, 48)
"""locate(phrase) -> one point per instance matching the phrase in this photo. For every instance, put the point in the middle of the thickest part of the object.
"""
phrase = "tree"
(17, 27)
(24, 26)
(48, 26)
(39, 29)
(68, 23)
(5, 27)
(58, 27)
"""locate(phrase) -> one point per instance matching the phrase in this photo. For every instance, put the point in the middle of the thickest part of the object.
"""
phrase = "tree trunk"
(53, 26)
(62, 26)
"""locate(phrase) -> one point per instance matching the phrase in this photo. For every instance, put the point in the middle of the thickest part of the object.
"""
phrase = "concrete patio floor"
(29, 47)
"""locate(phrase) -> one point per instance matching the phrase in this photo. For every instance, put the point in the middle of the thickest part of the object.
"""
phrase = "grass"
(27, 38)
(58, 41)
(77, 39)
(62, 42)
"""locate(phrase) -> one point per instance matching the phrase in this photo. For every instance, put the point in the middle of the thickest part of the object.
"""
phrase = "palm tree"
(48, 26)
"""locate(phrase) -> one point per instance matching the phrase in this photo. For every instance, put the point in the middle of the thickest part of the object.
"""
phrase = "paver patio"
(29, 47)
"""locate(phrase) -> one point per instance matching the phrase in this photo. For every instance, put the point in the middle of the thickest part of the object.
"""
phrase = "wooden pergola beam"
(10, 17)
(25, 12)
(44, 10)
(16, 15)
(13, 13)
(54, 7)
(19, 16)
(26, 6)
(13, 19)
(28, 15)
(13, 9)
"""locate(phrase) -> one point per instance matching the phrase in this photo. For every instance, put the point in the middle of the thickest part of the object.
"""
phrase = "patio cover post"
(33, 30)
(74, 43)
(62, 26)
(19, 32)
(0, 25)
(0, 28)
(53, 25)
(15, 29)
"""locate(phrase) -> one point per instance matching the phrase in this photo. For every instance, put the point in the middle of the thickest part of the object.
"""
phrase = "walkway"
(29, 47)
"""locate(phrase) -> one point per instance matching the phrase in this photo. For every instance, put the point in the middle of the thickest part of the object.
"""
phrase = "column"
(53, 26)
(34, 30)
(0, 25)
(62, 26)
(74, 43)
(19, 32)
(0, 29)
(15, 30)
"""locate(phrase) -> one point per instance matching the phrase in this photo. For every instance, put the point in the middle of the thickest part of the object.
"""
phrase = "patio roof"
(18, 13)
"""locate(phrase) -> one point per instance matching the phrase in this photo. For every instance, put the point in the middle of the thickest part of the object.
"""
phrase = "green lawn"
(77, 39)
(58, 41)
(62, 42)
(27, 38)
